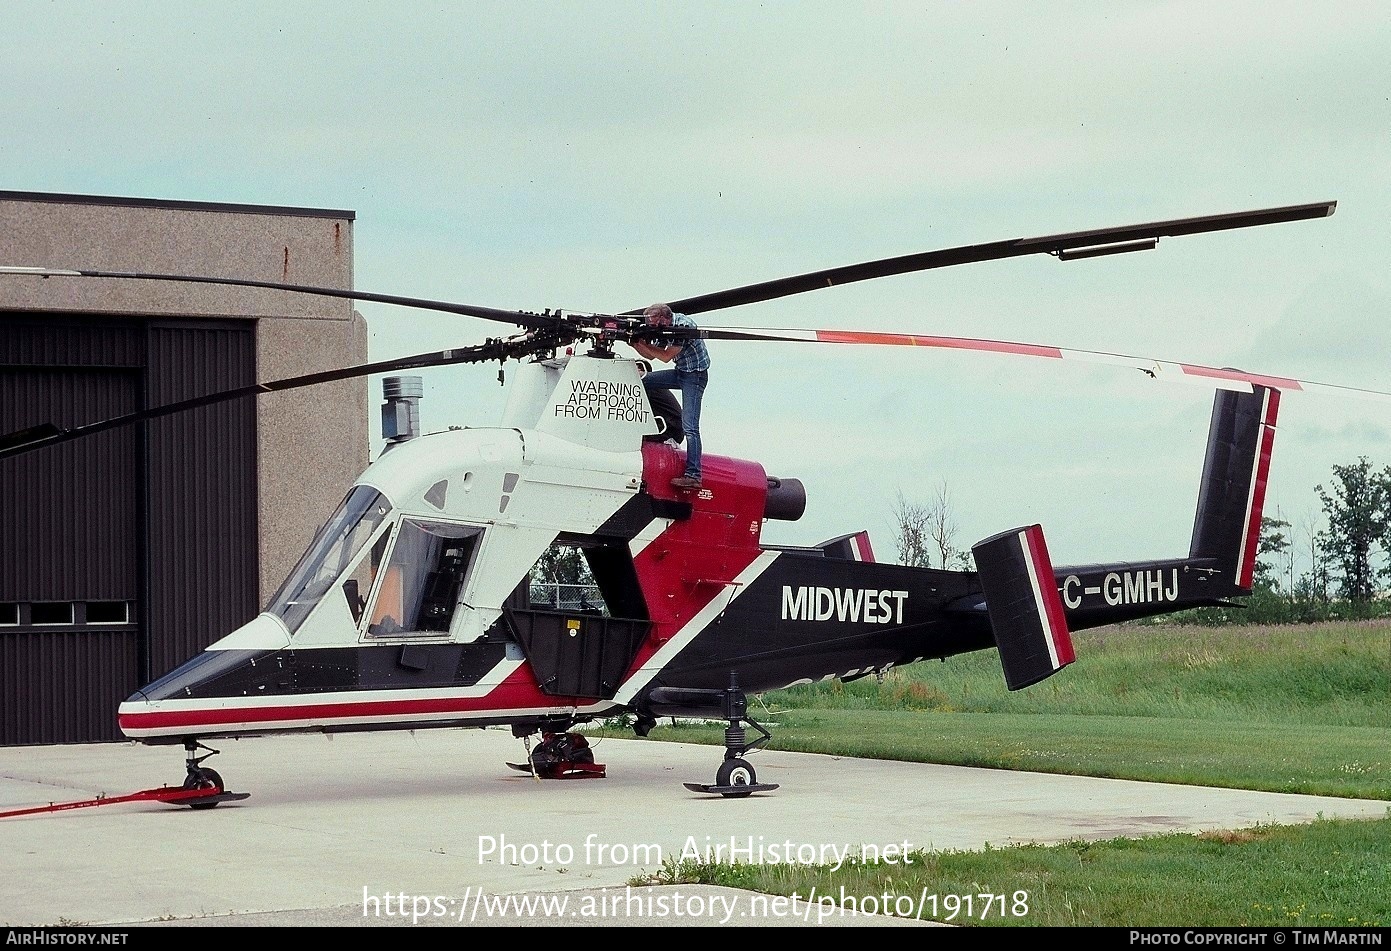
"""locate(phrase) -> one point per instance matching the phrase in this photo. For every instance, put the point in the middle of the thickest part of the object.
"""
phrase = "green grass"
(1296, 709)
(1333, 674)
(1353, 762)
(1327, 874)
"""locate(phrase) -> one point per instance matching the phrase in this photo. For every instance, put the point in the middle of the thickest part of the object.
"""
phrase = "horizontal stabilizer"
(1026, 613)
(852, 547)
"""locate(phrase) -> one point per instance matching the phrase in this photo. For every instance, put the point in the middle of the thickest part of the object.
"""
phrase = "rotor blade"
(1170, 371)
(528, 320)
(47, 434)
(1075, 244)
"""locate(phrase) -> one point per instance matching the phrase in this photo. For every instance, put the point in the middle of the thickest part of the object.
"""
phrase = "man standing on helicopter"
(689, 375)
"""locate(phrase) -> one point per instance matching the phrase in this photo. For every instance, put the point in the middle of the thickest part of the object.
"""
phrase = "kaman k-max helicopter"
(411, 608)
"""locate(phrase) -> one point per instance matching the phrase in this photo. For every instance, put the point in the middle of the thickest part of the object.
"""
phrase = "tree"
(920, 531)
(562, 564)
(910, 533)
(1357, 511)
(1313, 584)
(941, 525)
(1274, 544)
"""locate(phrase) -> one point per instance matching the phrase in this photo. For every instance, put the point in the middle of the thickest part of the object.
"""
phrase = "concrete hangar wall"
(126, 552)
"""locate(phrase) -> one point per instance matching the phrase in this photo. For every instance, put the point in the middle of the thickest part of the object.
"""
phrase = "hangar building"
(126, 552)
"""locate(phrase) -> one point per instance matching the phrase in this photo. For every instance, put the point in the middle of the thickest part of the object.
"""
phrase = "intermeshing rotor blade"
(47, 434)
(1072, 245)
(1175, 372)
(528, 320)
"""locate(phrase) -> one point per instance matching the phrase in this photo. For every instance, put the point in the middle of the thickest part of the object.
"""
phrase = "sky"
(602, 156)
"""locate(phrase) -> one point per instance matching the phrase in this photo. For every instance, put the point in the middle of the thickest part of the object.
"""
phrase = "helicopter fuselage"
(413, 608)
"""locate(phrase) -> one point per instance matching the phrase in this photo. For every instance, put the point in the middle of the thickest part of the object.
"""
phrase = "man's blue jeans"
(691, 383)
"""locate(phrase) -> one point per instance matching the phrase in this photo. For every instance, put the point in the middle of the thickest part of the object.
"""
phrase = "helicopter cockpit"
(421, 582)
(341, 540)
(403, 575)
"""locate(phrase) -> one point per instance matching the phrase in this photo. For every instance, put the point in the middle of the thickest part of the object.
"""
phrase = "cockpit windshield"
(333, 550)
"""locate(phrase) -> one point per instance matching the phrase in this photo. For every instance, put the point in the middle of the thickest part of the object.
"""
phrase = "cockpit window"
(423, 578)
(358, 585)
(333, 549)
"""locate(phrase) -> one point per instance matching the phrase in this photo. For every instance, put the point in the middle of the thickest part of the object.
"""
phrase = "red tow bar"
(173, 794)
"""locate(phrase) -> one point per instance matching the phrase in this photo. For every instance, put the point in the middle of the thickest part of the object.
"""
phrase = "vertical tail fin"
(1227, 525)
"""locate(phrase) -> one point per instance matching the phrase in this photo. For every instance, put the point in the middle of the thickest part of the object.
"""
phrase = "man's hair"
(661, 312)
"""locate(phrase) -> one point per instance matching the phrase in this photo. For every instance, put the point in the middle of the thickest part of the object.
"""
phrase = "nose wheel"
(204, 779)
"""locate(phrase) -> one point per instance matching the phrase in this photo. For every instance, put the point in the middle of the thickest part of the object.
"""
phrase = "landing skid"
(209, 801)
(731, 792)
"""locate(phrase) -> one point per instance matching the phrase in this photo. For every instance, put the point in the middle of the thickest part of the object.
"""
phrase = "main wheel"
(202, 778)
(735, 772)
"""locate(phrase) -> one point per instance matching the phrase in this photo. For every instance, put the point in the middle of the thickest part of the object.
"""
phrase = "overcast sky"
(604, 155)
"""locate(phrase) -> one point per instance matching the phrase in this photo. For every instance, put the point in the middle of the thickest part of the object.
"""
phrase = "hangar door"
(125, 552)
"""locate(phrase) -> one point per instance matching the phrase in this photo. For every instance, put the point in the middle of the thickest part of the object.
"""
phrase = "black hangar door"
(126, 551)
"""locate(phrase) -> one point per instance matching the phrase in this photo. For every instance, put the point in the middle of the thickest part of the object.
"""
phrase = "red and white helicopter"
(411, 607)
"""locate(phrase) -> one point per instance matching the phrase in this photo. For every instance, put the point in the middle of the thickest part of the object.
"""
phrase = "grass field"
(1303, 709)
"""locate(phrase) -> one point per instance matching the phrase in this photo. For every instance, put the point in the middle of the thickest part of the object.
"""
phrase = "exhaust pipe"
(401, 411)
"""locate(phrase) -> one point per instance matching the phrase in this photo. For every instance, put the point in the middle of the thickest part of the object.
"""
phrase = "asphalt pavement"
(431, 828)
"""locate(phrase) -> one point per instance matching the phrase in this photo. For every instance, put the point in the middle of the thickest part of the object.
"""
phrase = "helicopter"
(412, 606)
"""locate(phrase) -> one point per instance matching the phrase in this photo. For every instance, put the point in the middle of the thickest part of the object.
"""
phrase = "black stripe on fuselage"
(244, 673)
(638, 512)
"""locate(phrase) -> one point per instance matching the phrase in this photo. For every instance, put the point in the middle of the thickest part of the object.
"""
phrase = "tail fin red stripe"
(862, 549)
(1261, 379)
(1259, 478)
(1055, 621)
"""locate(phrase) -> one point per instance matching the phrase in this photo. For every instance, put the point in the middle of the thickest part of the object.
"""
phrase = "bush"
(1271, 607)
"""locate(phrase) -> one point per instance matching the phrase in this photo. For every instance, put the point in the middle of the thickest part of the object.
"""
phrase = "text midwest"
(862, 605)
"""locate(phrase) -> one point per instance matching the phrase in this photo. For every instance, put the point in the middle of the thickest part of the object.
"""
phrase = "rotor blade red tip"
(920, 340)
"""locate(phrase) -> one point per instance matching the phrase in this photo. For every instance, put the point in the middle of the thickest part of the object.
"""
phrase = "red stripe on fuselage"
(517, 692)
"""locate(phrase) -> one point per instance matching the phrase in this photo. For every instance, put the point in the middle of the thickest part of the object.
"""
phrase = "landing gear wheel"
(200, 777)
(735, 778)
(736, 772)
(562, 756)
(204, 781)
